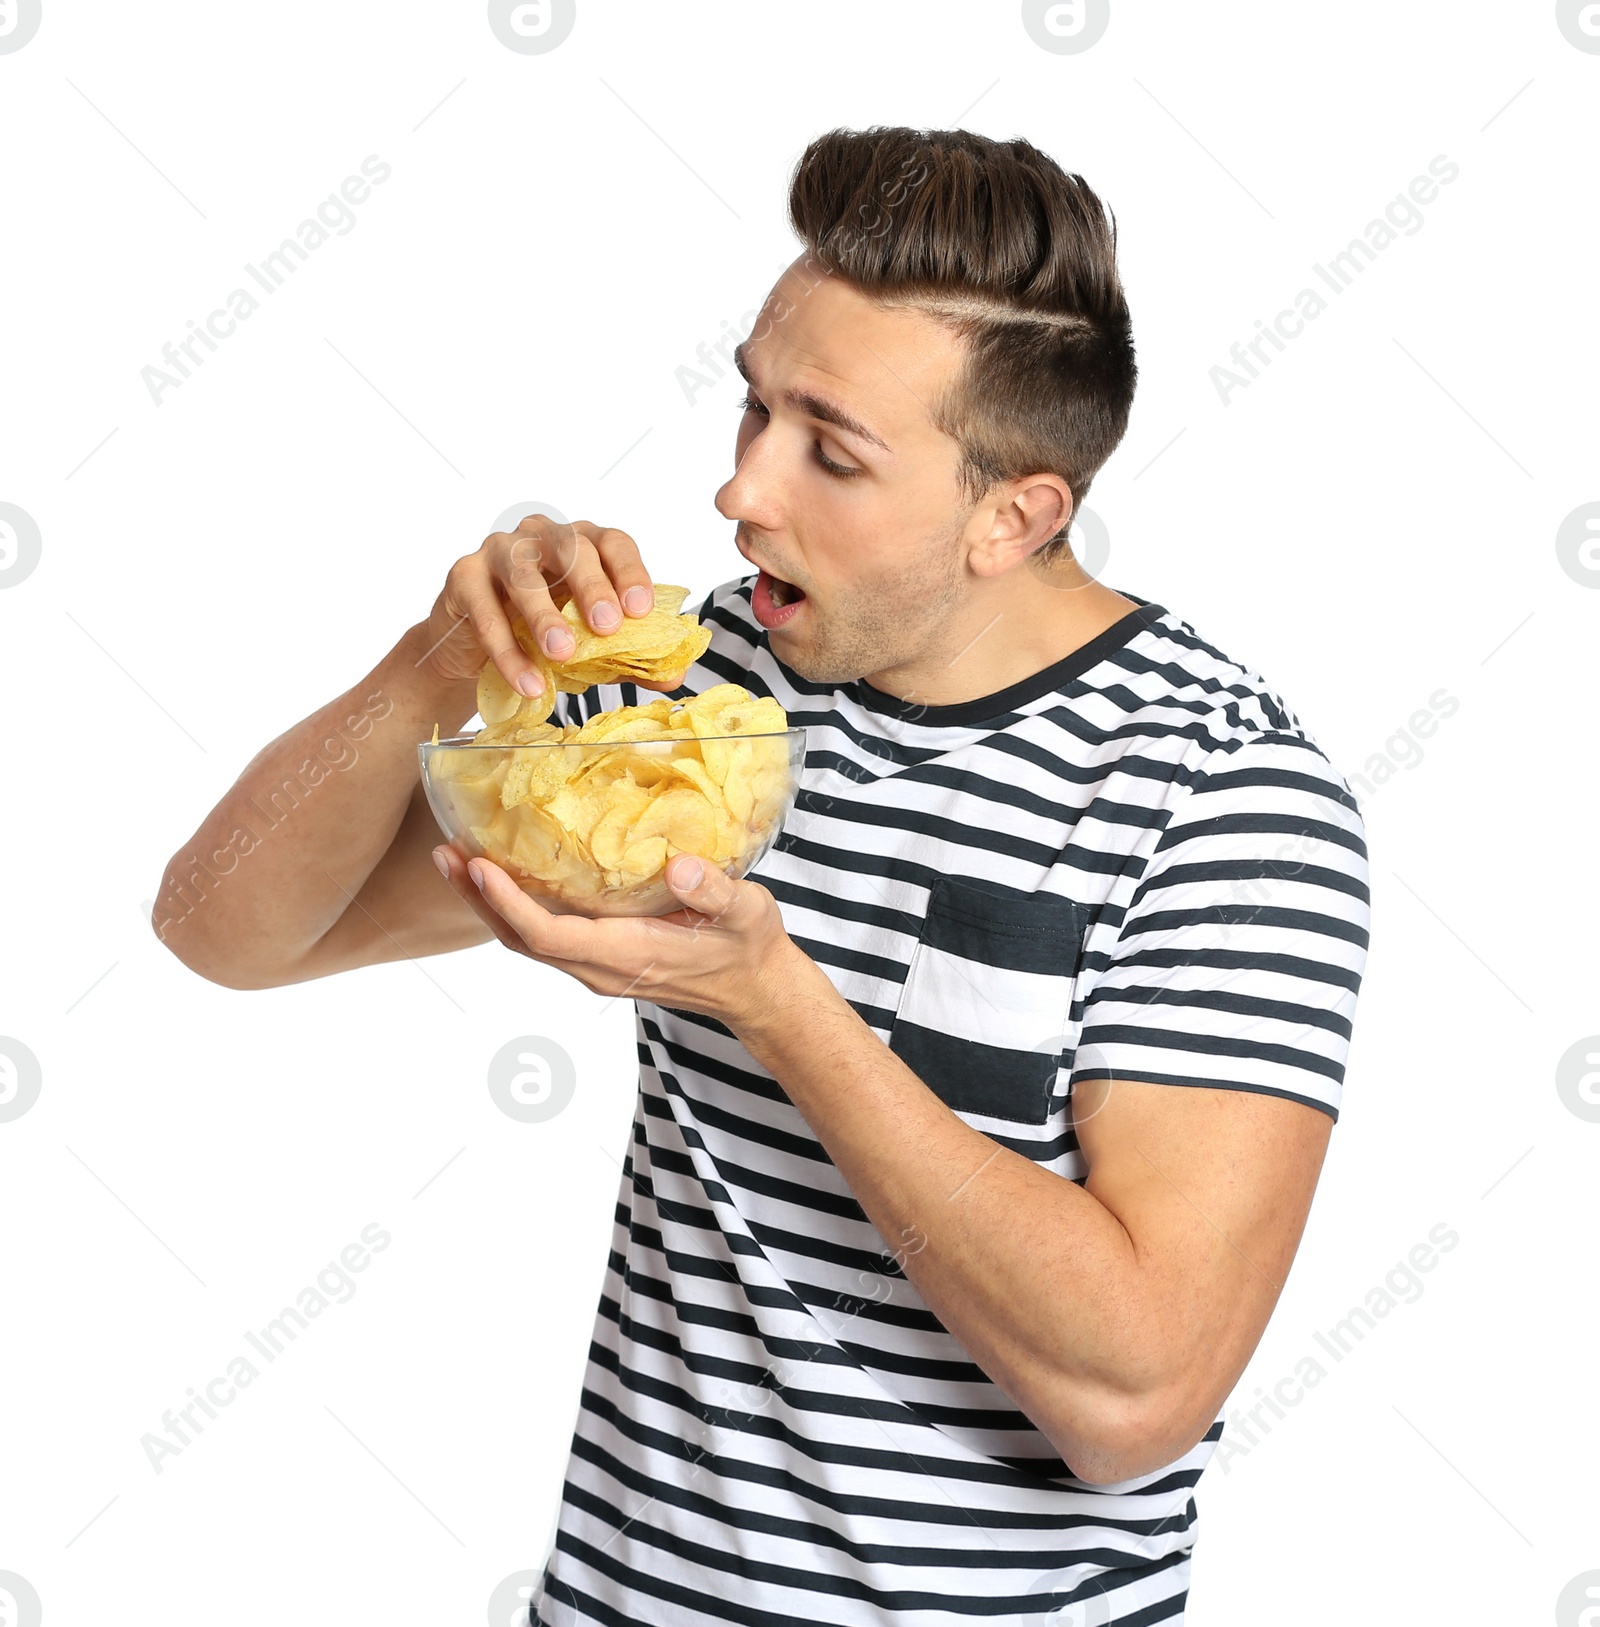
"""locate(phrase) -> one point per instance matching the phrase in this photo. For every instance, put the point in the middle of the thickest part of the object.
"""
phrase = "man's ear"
(1027, 512)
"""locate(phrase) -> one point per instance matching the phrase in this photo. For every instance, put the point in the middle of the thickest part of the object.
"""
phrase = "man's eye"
(839, 471)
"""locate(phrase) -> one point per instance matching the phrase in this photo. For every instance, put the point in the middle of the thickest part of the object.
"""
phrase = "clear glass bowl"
(598, 844)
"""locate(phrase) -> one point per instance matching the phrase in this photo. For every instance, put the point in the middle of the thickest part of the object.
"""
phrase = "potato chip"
(536, 846)
(498, 702)
(643, 859)
(683, 816)
(626, 806)
(536, 773)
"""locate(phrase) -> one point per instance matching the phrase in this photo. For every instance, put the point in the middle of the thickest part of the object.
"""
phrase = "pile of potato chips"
(585, 824)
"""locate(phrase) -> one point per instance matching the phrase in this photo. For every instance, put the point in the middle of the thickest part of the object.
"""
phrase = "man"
(978, 1125)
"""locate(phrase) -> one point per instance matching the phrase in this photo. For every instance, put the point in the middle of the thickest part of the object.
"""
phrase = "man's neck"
(1043, 622)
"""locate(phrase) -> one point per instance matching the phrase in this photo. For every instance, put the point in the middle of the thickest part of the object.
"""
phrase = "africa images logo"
(19, 22)
(532, 27)
(19, 545)
(335, 216)
(1065, 27)
(1402, 216)
(19, 1604)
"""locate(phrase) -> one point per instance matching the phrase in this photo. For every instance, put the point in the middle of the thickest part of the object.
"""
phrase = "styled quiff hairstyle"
(995, 240)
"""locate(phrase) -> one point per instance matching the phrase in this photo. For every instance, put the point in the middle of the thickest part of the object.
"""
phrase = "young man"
(978, 1126)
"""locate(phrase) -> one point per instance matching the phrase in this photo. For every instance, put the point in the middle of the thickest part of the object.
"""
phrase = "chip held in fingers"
(652, 647)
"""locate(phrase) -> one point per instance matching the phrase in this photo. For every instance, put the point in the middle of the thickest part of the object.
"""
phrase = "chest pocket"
(984, 1010)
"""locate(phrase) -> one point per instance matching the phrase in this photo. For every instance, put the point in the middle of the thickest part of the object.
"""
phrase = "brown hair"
(998, 242)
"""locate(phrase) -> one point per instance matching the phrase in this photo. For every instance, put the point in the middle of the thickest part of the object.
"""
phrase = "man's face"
(878, 551)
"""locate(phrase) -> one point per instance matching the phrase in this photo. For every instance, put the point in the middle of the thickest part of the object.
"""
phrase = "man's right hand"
(534, 571)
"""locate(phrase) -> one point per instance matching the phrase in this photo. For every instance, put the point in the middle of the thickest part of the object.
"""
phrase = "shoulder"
(1259, 805)
(1233, 940)
(1238, 730)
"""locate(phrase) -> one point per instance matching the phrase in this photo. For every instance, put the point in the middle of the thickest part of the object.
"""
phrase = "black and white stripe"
(1134, 864)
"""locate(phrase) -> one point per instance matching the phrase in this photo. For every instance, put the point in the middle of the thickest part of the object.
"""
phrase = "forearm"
(276, 862)
(1034, 1277)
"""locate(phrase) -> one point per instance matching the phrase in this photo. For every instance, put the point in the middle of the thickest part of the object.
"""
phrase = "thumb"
(702, 886)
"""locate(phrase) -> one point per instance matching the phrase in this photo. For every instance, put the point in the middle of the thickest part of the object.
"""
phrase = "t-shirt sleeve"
(1242, 948)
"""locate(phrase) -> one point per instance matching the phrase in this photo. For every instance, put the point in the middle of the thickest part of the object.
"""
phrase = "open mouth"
(775, 601)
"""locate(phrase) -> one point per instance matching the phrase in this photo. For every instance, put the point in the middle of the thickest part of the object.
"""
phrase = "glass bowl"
(607, 815)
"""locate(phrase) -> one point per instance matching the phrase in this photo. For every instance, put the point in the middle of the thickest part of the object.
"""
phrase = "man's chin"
(809, 664)
(795, 643)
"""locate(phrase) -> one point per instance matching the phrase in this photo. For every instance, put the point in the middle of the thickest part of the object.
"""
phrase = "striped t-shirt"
(1133, 864)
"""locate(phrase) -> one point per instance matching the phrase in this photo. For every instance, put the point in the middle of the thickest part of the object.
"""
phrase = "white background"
(1372, 520)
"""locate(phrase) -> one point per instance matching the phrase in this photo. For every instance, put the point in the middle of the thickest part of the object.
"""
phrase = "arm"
(1117, 1315)
(318, 858)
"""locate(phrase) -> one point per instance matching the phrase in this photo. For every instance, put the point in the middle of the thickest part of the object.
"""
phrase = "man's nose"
(751, 492)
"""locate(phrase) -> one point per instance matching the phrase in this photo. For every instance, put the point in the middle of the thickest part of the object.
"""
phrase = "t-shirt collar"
(1002, 701)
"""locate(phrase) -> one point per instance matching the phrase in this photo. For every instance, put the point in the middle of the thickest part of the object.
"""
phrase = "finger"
(608, 956)
(461, 880)
(705, 889)
(589, 576)
(569, 939)
(532, 565)
(619, 554)
(454, 861)
(474, 590)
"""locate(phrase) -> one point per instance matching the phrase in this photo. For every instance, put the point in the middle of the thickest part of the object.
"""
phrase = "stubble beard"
(888, 622)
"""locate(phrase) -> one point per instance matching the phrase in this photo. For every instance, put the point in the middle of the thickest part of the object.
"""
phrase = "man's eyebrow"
(816, 406)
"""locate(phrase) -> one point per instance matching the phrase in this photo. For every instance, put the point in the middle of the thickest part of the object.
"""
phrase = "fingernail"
(558, 642)
(475, 871)
(689, 875)
(640, 601)
(530, 683)
(443, 863)
(605, 616)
